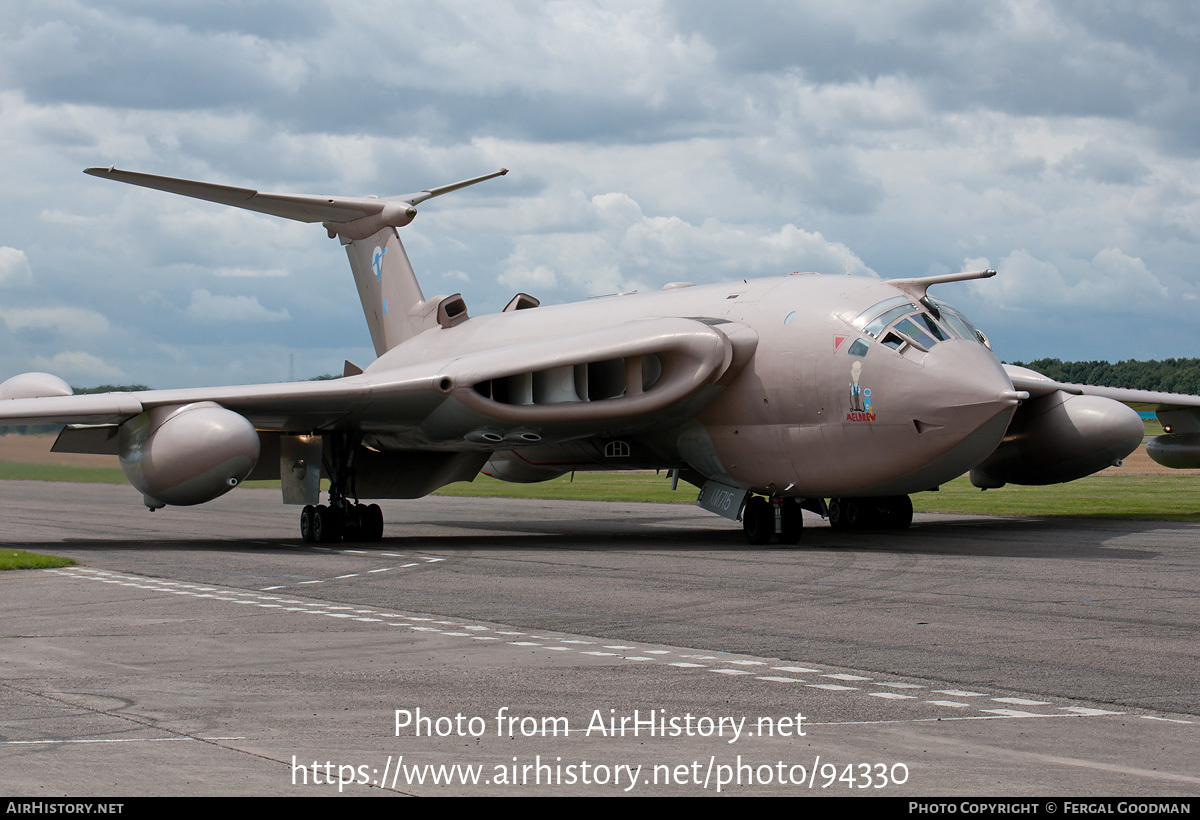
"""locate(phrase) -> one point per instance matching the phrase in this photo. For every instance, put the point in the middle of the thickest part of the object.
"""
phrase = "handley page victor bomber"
(836, 394)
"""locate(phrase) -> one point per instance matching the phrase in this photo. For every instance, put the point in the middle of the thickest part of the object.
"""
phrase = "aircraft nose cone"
(968, 380)
(967, 404)
(947, 412)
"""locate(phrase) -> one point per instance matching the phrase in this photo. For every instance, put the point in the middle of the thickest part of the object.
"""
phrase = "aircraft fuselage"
(823, 409)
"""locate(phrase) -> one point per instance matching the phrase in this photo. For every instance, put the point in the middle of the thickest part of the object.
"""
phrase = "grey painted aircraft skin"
(838, 394)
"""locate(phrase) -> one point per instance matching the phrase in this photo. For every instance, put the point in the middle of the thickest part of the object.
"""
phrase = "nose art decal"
(860, 397)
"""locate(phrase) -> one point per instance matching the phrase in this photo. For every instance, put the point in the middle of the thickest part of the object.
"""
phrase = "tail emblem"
(377, 263)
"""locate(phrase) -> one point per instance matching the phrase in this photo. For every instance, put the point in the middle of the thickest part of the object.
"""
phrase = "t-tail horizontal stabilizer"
(392, 300)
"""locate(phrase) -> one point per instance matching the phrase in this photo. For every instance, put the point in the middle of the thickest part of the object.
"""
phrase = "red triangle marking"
(837, 342)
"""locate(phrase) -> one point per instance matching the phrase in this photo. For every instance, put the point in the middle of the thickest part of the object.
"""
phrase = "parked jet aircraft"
(836, 394)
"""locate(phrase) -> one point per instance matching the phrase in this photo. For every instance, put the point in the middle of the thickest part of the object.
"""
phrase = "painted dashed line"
(667, 657)
(425, 559)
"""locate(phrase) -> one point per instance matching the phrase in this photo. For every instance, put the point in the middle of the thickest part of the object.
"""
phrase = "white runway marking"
(566, 646)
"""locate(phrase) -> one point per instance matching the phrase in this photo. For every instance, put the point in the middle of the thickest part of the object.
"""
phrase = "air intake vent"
(594, 381)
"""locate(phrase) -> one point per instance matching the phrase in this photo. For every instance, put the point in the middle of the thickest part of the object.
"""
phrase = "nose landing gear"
(779, 518)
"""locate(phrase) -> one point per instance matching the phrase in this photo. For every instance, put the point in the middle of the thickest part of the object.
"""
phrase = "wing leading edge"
(617, 377)
(1144, 401)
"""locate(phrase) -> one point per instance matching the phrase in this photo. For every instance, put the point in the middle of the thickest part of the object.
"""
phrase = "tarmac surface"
(208, 651)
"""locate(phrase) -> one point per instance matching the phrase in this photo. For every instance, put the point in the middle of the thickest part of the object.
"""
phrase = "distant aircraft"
(837, 394)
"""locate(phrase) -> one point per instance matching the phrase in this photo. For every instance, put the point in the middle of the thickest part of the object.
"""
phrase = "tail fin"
(391, 297)
(388, 288)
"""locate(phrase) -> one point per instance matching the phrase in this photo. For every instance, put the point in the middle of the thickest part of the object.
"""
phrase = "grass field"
(1139, 490)
(19, 559)
(1160, 498)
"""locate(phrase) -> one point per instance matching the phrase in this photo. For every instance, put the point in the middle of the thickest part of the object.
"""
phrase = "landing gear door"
(722, 499)
(300, 468)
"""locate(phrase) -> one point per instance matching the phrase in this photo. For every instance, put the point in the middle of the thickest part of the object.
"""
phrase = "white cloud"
(78, 366)
(649, 142)
(212, 308)
(14, 267)
(1110, 282)
(251, 273)
(619, 248)
(69, 321)
(1105, 163)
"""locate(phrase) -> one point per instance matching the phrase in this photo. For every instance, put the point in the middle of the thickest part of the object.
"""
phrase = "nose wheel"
(779, 519)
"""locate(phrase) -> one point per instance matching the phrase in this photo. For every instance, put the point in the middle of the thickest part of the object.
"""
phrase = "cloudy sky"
(649, 142)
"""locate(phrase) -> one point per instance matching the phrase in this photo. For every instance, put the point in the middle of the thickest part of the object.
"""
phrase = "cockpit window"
(859, 348)
(958, 323)
(872, 312)
(934, 329)
(898, 320)
(877, 325)
(909, 328)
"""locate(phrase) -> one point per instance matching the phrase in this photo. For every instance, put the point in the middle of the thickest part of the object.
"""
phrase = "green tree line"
(1167, 375)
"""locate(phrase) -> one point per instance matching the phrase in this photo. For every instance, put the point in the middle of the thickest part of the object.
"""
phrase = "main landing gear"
(778, 518)
(343, 517)
(353, 522)
(889, 513)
